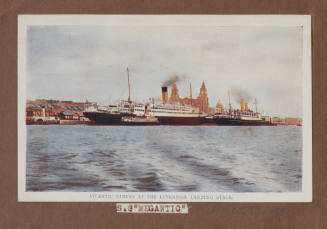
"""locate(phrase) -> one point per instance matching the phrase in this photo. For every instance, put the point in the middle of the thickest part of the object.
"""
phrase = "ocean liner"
(175, 114)
(112, 114)
(239, 117)
(109, 115)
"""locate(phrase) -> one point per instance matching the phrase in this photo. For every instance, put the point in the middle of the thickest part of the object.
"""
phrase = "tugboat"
(139, 121)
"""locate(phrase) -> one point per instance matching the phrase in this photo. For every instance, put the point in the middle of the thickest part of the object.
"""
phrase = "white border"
(153, 20)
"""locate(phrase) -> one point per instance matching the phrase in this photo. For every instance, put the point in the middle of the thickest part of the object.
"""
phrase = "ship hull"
(140, 123)
(103, 118)
(166, 120)
(238, 122)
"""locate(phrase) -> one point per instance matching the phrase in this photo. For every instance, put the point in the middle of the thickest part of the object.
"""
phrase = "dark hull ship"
(238, 121)
(181, 121)
(239, 117)
(103, 118)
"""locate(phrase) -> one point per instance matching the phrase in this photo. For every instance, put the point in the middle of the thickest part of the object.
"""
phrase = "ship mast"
(256, 105)
(191, 93)
(229, 104)
(129, 88)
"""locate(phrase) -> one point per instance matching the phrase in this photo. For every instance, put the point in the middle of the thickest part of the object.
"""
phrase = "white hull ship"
(175, 114)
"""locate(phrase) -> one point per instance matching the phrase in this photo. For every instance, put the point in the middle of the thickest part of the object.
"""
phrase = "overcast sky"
(89, 62)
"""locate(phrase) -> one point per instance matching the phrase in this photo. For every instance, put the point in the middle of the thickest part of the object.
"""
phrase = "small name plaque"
(152, 208)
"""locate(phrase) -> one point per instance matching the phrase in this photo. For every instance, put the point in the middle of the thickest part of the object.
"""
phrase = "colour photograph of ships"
(171, 110)
(164, 108)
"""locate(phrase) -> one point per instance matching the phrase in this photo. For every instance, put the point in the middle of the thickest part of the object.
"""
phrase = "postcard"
(164, 108)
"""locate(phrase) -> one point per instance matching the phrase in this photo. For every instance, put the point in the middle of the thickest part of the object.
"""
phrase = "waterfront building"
(201, 102)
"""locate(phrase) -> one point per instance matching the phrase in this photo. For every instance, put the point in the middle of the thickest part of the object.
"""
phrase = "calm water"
(164, 158)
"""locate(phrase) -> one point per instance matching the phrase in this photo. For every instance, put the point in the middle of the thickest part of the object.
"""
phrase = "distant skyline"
(89, 62)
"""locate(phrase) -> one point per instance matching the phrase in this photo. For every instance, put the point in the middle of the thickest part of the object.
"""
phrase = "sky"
(89, 62)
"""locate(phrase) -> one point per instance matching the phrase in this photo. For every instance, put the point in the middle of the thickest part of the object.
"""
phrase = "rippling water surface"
(164, 158)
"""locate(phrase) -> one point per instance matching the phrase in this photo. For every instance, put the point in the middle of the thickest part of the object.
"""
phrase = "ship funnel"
(242, 105)
(43, 111)
(246, 106)
(164, 92)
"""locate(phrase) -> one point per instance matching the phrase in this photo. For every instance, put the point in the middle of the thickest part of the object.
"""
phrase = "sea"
(82, 158)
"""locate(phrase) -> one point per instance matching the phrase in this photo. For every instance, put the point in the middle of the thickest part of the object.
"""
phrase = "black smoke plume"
(172, 80)
(239, 94)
